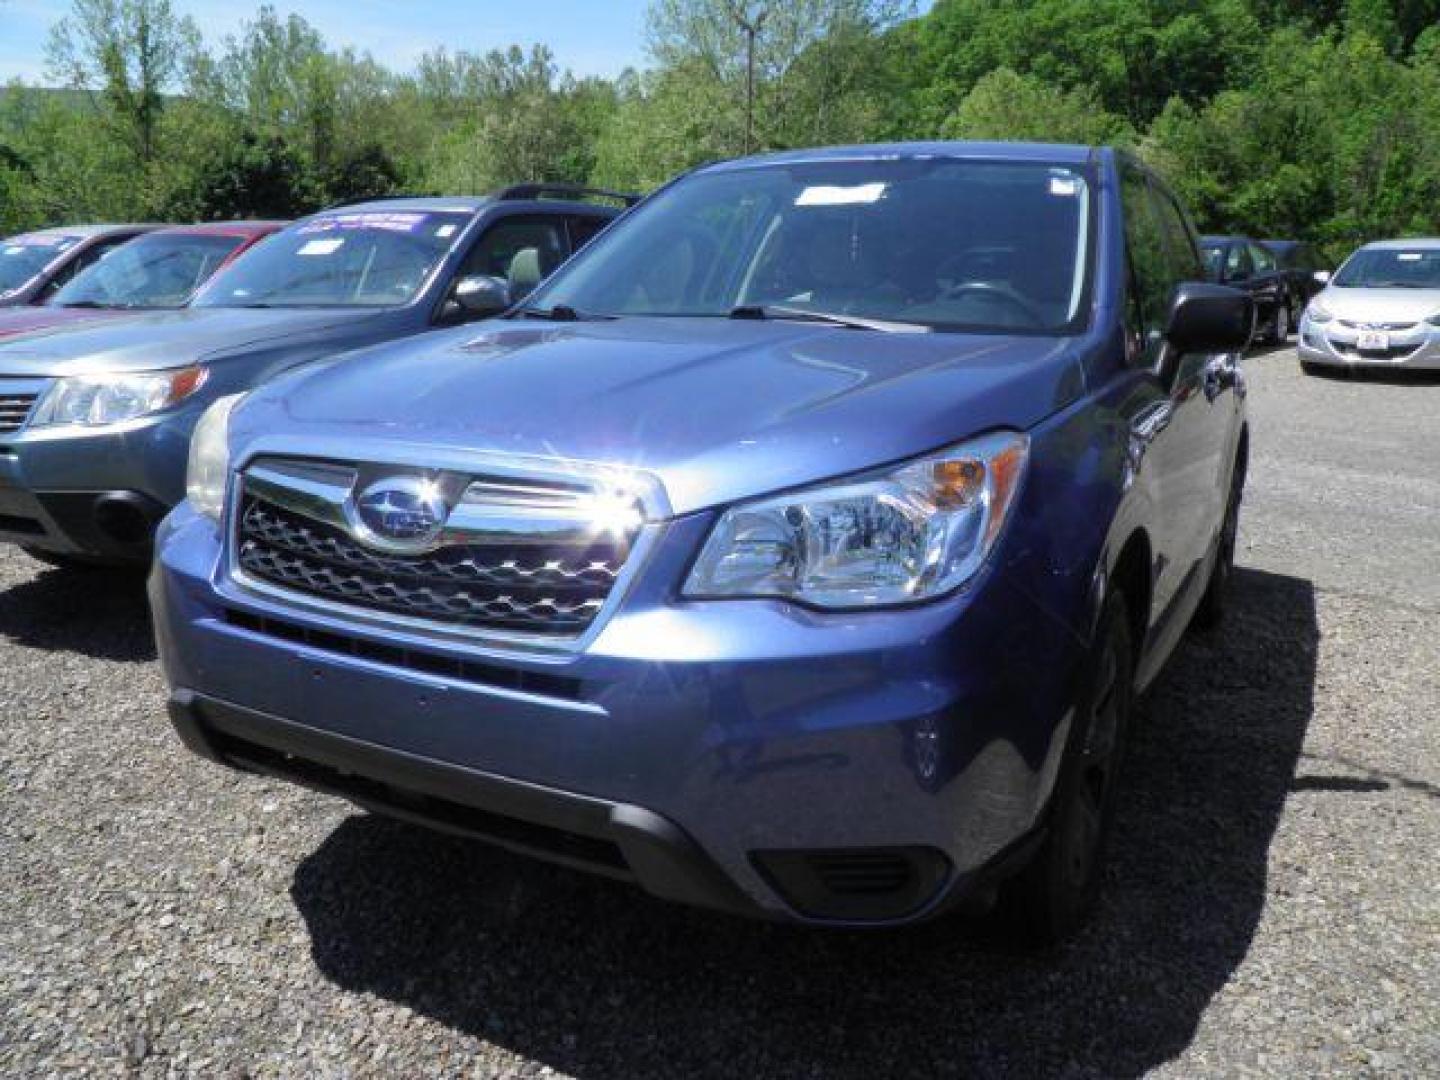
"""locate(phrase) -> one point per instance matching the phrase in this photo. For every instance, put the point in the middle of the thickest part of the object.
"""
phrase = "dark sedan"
(1305, 268)
(1247, 264)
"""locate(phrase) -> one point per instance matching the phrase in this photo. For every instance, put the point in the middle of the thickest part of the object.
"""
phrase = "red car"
(161, 268)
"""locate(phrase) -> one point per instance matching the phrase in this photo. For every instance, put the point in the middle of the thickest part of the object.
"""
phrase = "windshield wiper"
(561, 313)
(854, 322)
(92, 304)
(1401, 285)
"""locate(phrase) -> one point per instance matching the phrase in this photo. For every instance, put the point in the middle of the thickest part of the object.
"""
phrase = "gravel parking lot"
(1274, 905)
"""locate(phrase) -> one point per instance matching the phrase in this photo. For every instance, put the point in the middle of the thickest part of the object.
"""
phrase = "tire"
(1311, 369)
(1211, 611)
(1279, 330)
(1053, 895)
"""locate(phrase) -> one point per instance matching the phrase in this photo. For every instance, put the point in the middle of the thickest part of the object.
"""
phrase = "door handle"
(1219, 376)
(1151, 421)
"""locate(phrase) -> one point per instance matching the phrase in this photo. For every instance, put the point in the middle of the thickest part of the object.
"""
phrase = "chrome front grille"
(1392, 352)
(516, 558)
(14, 411)
(1392, 327)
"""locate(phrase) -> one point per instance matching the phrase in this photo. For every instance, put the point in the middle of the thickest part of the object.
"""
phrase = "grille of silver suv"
(517, 557)
(14, 411)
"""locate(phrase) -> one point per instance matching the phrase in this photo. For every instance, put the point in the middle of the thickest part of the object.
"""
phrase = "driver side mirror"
(1206, 318)
(1322, 277)
(479, 296)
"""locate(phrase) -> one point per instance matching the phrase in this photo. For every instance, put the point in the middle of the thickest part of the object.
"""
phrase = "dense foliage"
(1309, 118)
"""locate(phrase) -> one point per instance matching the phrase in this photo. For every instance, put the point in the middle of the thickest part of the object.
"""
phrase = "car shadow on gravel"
(100, 613)
(597, 980)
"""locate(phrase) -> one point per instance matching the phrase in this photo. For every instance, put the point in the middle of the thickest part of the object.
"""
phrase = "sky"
(590, 37)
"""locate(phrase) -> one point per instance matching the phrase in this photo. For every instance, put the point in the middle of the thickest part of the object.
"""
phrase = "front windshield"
(22, 257)
(942, 243)
(161, 270)
(1391, 268)
(342, 259)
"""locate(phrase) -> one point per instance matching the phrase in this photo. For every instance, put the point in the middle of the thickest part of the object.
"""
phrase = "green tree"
(815, 64)
(1007, 105)
(124, 55)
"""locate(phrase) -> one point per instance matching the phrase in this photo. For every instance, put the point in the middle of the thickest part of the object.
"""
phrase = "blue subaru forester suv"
(796, 550)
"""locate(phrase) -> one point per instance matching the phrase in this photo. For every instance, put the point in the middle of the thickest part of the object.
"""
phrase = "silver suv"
(1382, 308)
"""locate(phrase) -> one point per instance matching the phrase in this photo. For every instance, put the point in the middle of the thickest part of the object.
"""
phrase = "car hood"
(717, 410)
(27, 320)
(164, 339)
(1380, 305)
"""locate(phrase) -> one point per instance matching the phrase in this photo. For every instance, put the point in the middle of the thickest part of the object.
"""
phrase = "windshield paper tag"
(1064, 185)
(834, 195)
(16, 243)
(1409, 256)
(392, 222)
(320, 247)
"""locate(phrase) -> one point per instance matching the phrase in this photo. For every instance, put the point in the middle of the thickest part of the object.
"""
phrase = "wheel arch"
(1132, 573)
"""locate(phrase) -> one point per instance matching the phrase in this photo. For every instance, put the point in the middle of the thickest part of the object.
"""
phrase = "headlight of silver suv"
(910, 533)
(95, 400)
(1317, 313)
(210, 458)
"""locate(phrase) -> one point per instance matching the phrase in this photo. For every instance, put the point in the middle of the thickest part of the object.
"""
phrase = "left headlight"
(209, 466)
(910, 533)
(94, 400)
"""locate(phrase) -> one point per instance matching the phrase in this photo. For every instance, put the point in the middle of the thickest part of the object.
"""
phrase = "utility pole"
(749, 26)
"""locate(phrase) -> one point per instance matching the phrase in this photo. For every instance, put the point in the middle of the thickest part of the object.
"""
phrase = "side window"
(86, 259)
(1263, 260)
(521, 250)
(584, 229)
(1149, 274)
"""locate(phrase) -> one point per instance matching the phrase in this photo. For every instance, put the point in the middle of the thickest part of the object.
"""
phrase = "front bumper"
(98, 493)
(782, 757)
(1335, 345)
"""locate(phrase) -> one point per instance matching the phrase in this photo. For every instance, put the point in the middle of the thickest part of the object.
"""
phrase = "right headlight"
(210, 458)
(1317, 313)
(97, 400)
(903, 535)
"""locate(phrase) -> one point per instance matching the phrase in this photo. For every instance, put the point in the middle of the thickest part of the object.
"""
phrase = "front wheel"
(1056, 891)
(1279, 332)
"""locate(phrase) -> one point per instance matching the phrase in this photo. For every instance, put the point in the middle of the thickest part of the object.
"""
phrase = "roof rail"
(379, 198)
(563, 191)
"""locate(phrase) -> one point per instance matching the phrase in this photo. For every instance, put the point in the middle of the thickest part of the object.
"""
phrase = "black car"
(1305, 268)
(1248, 264)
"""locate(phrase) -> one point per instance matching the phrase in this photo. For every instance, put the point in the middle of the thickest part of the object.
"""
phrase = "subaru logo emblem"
(400, 514)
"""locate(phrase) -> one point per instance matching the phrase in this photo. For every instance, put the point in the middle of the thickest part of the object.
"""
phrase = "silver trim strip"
(303, 486)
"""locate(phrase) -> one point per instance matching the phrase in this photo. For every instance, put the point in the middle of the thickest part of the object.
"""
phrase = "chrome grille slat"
(275, 528)
(515, 557)
(15, 410)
